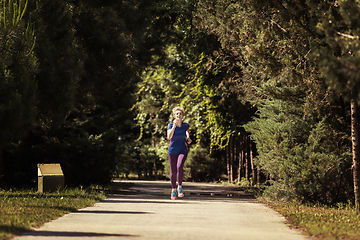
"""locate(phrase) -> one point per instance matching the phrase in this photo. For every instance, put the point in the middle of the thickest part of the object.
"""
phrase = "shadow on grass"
(66, 209)
(50, 195)
(12, 229)
(60, 208)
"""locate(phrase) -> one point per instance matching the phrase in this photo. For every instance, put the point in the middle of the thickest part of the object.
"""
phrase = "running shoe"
(180, 192)
(173, 194)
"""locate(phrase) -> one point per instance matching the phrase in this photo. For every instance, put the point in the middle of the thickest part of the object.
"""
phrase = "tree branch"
(295, 18)
(347, 35)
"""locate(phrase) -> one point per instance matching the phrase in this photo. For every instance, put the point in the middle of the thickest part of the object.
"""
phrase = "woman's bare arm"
(188, 136)
(170, 132)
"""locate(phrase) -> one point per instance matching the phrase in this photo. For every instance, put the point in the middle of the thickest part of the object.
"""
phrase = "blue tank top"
(178, 141)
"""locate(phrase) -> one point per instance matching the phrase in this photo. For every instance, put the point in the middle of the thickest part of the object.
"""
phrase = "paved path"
(145, 211)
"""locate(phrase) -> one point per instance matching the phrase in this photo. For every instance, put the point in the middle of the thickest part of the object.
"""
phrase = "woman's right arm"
(170, 132)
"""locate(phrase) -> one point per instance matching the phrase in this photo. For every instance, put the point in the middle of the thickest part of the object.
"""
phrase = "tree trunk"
(1, 164)
(252, 163)
(246, 159)
(154, 162)
(241, 158)
(234, 155)
(355, 151)
(231, 159)
(228, 161)
(240, 164)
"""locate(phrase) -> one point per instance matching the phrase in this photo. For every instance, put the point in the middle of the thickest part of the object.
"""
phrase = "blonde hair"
(177, 109)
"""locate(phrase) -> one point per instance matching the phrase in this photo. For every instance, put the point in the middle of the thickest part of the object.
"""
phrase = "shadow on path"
(111, 212)
(145, 191)
(73, 234)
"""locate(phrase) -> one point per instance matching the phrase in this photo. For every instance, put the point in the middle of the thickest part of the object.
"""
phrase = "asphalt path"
(145, 211)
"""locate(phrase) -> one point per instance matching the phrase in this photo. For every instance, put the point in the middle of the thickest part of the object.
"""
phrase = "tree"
(339, 63)
(18, 65)
(60, 59)
(265, 49)
(304, 160)
(355, 151)
(89, 56)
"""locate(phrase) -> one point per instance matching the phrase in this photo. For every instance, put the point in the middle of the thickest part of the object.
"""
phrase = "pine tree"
(18, 65)
(339, 60)
(60, 58)
(297, 149)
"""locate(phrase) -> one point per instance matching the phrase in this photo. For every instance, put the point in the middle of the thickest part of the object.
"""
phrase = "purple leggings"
(176, 166)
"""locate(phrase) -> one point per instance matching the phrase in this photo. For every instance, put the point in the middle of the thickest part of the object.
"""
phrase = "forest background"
(270, 90)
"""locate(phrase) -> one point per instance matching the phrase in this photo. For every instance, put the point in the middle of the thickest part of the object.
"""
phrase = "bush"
(203, 167)
(303, 160)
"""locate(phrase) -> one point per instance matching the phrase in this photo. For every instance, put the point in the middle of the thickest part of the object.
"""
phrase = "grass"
(22, 210)
(322, 222)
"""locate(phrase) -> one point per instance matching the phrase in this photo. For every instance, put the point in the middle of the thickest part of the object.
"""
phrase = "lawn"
(22, 210)
(322, 222)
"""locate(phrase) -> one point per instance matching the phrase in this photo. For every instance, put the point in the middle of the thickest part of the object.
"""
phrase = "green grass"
(22, 210)
(321, 222)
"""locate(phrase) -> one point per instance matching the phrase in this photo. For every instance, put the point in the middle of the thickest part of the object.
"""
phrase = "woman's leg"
(180, 167)
(173, 159)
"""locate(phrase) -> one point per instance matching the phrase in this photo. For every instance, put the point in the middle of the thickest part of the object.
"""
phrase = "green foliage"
(84, 157)
(339, 58)
(89, 55)
(140, 159)
(302, 157)
(265, 48)
(162, 89)
(60, 59)
(156, 96)
(104, 32)
(18, 65)
(203, 167)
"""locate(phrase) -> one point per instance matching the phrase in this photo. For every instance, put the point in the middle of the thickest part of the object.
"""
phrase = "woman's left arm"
(188, 136)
